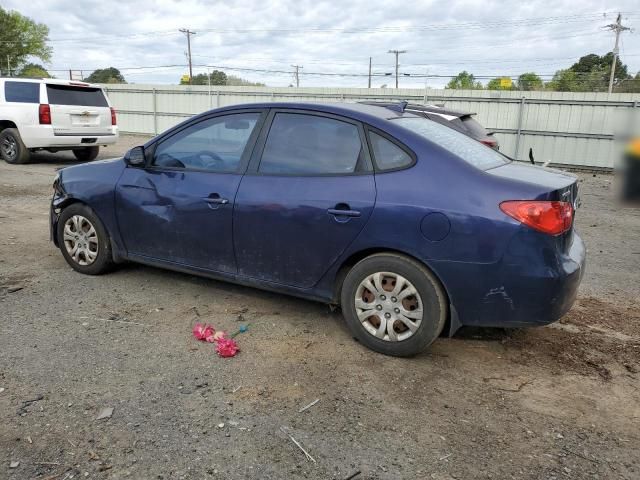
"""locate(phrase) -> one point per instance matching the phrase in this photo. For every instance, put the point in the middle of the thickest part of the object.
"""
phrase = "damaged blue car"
(413, 228)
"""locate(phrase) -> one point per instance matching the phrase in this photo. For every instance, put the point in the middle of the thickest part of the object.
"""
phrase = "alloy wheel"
(388, 306)
(9, 147)
(81, 240)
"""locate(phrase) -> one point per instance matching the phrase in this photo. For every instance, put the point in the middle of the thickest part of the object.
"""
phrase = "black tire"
(86, 154)
(431, 294)
(103, 261)
(12, 150)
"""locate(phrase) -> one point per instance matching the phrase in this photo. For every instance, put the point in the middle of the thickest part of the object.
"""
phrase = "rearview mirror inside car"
(135, 157)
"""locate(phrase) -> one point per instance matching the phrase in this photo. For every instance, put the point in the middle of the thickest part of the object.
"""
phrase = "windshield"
(468, 149)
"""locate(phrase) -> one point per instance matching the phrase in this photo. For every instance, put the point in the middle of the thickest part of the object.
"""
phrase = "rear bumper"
(43, 136)
(519, 290)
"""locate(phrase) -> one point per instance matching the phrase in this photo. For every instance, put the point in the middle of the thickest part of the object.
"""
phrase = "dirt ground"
(556, 402)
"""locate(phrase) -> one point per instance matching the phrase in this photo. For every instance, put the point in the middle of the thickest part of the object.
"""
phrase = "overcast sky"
(441, 38)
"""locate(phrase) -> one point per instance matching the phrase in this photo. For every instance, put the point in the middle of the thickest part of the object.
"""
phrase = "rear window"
(22, 92)
(473, 127)
(468, 149)
(80, 96)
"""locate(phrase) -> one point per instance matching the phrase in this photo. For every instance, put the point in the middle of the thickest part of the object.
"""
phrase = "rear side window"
(77, 96)
(22, 92)
(300, 144)
(466, 148)
(473, 127)
(388, 155)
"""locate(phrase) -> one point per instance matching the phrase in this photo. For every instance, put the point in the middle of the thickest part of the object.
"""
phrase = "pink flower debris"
(203, 332)
(226, 347)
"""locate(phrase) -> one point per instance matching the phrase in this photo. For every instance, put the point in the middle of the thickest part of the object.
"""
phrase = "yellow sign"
(184, 79)
(505, 82)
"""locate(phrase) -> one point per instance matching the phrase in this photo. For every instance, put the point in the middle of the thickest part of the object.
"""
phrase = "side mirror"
(135, 157)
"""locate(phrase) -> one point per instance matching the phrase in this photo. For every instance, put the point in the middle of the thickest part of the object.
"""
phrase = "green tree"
(496, 84)
(217, 78)
(33, 70)
(529, 81)
(106, 75)
(631, 85)
(21, 38)
(590, 74)
(233, 80)
(564, 81)
(464, 81)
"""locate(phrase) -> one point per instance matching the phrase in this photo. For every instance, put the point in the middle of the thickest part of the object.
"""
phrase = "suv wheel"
(12, 150)
(393, 304)
(86, 154)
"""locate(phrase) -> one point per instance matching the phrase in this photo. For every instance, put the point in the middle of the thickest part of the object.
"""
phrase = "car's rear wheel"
(86, 154)
(12, 150)
(83, 240)
(393, 304)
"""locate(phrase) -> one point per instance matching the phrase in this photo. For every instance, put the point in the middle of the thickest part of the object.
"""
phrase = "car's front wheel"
(86, 154)
(83, 240)
(393, 304)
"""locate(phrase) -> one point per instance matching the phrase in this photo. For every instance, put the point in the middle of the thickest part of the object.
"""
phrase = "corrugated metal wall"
(564, 128)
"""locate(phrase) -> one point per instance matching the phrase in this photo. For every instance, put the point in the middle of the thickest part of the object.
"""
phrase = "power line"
(296, 74)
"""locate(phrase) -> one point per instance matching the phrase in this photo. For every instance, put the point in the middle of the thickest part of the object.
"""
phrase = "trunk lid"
(78, 110)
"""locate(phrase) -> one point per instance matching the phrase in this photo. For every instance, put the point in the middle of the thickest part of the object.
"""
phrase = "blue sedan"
(413, 228)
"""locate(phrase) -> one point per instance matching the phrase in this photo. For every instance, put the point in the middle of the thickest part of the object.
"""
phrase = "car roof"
(51, 81)
(422, 108)
(359, 111)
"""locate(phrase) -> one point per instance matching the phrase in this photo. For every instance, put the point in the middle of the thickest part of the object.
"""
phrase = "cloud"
(441, 38)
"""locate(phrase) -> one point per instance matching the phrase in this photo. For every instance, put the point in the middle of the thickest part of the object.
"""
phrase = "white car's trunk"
(78, 110)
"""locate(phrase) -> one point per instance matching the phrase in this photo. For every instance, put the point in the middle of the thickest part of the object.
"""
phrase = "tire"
(93, 255)
(12, 150)
(398, 339)
(86, 154)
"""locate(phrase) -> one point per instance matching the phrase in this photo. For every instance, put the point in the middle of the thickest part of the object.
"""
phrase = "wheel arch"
(451, 323)
(7, 124)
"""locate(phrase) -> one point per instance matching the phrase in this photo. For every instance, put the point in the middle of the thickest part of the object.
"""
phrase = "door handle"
(338, 212)
(216, 199)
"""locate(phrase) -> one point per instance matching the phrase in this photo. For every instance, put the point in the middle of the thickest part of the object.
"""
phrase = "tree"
(233, 80)
(33, 70)
(20, 38)
(106, 75)
(464, 81)
(217, 78)
(564, 81)
(529, 81)
(590, 74)
(496, 84)
(630, 85)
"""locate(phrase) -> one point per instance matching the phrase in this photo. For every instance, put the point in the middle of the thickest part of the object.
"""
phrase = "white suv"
(53, 115)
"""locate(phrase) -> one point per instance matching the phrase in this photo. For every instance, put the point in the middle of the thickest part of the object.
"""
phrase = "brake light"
(44, 114)
(113, 116)
(553, 218)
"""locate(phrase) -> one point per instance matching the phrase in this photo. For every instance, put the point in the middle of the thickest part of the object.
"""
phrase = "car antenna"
(398, 107)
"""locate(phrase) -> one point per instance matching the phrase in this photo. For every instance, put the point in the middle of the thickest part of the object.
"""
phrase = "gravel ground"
(556, 402)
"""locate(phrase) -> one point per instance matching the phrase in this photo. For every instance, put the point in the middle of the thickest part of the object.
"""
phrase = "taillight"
(113, 116)
(44, 114)
(490, 143)
(553, 218)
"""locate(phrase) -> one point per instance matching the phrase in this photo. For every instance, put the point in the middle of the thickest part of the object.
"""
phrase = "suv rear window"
(468, 149)
(22, 92)
(80, 96)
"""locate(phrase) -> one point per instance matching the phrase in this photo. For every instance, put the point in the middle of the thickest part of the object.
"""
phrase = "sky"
(332, 41)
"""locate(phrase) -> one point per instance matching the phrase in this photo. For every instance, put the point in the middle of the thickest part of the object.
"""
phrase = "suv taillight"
(553, 218)
(113, 116)
(44, 114)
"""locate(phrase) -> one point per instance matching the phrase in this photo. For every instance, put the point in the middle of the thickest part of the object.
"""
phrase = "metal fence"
(564, 128)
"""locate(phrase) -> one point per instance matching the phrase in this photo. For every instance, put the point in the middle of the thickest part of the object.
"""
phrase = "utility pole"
(188, 33)
(397, 54)
(369, 84)
(618, 28)
(8, 66)
(296, 74)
